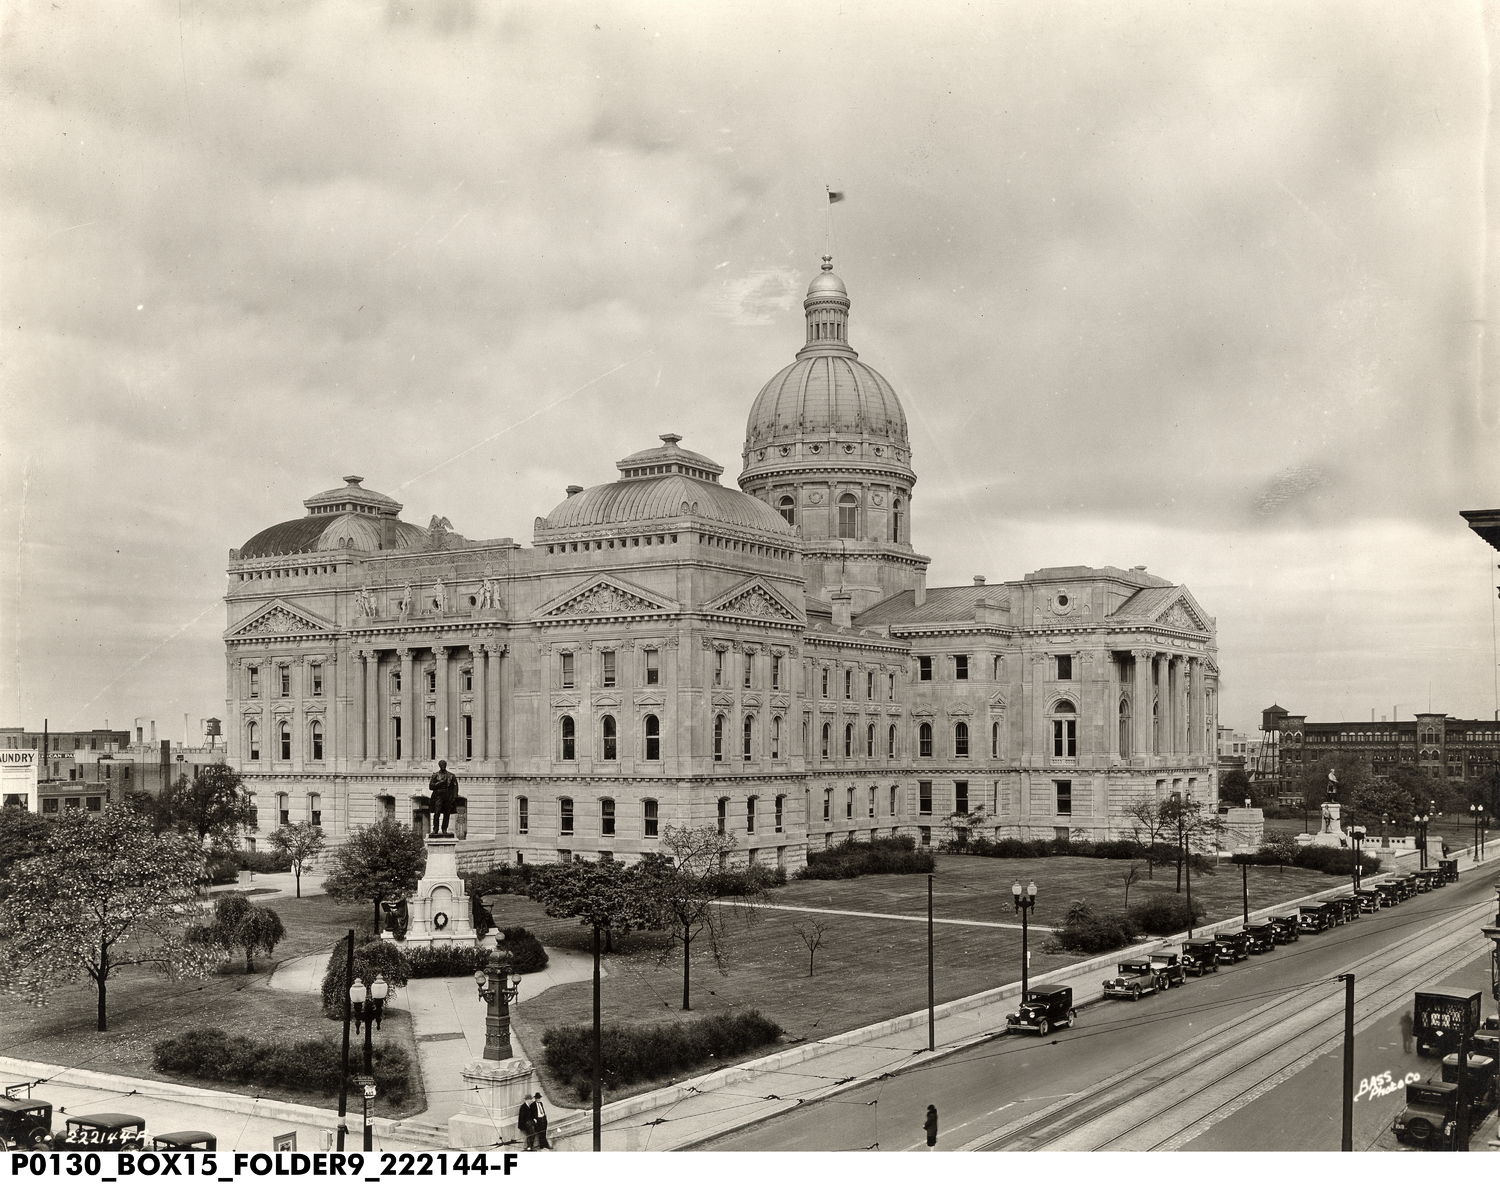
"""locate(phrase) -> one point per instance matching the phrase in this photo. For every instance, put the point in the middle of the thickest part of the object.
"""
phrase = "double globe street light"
(498, 986)
(369, 1009)
(1025, 902)
(1475, 810)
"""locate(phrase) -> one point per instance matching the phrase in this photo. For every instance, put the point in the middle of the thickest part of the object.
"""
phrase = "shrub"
(1161, 915)
(263, 862)
(527, 954)
(745, 881)
(641, 1052)
(449, 961)
(501, 880)
(1334, 860)
(371, 956)
(223, 869)
(884, 856)
(309, 1064)
(1085, 931)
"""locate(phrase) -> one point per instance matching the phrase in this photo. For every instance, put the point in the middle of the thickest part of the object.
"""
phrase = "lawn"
(144, 1008)
(868, 968)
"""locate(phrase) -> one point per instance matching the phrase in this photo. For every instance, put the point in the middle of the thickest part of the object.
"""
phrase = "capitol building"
(671, 650)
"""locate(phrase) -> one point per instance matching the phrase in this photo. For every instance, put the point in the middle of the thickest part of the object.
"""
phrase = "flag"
(835, 196)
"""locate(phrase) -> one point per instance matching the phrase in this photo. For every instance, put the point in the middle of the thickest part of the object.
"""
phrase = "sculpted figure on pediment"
(604, 600)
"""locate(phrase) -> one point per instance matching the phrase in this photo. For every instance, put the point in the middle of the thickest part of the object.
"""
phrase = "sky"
(1196, 286)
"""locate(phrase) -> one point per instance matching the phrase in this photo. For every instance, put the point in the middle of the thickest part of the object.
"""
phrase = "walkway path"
(896, 916)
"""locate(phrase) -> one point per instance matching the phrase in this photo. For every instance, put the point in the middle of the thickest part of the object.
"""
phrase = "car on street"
(1487, 1039)
(1479, 1085)
(1409, 882)
(186, 1141)
(1045, 1007)
(1426, 880)
(25, 1123)
(1448, 869)
(1231, 947)
(1287, 928)
(1261, 937)
(106, 1132)
(1348, 907)
(1369, 900)
(1440, 1015)
(1430, 1116)
(1390, 892)
(1169, 971)
(1132, 980)
(1199, 958)
(1315, 917)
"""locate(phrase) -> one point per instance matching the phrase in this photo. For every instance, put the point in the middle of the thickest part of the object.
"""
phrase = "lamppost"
(1385, 831)
(369, 1008)
(1475, 810)
(1357, 835)
(498, 986)
(1025, 902)
(1420, 822)
(1304, 815)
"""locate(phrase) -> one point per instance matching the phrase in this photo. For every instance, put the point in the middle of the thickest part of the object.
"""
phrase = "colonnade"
(378, 714)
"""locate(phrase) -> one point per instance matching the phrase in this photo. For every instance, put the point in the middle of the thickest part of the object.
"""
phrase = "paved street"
(1115, 1068)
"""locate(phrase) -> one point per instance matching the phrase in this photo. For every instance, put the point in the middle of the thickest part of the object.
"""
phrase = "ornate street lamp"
(498, 986)
(1357, 835)
(1420, 822)
(369, 1008)
(1475, 810)
(1025, 902)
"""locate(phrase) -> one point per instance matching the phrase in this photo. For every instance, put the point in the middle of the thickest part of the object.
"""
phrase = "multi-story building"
(669, 650)
(1442, 746)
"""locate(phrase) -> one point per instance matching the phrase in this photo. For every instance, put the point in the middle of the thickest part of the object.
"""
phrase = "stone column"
(1112, 708)
(492, 745)
(300, 686)
(408, 705)
(481, 701)
(1166, 704)
(444, 752)
(1193, 714)
(1140, 709)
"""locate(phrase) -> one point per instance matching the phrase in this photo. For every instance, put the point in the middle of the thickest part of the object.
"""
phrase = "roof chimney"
(843, 604)
(1142, 569)
(573, 489)
(919, 595)
(978, 579)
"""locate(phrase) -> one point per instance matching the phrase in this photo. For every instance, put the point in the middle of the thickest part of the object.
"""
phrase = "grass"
(868, 968)
(144, 1008)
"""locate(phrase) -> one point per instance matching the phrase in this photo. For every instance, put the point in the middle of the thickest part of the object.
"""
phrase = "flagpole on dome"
(830, 241)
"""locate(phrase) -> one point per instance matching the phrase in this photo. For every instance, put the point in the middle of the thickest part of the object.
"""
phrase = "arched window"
(723, 809)
(569, 750)
(848, 516)
(848, 740)
(607, 817)
(924, 740)
(748, 751)
(719, 737)
(870, 741)
(607, 726)
(776, 738)
(750, 815)
(896, 520)
(827, 738)
(1124, 727)
(891, 745)
(284, 735)
(252, 739)
(523, 815)
(787, 506)
(1064, 731)
(960, 739)
(994, 740)
(315, 737)
(653, 737)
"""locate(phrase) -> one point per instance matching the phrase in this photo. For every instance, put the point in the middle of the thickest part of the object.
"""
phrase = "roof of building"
(348, 517)
(1146, 604)
(943, 604)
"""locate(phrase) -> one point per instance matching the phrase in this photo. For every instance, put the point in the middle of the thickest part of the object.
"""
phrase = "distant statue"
(440, 524)
(487, 594)
(366, 602)
(406, 597)
(444, 789)
(440, 596)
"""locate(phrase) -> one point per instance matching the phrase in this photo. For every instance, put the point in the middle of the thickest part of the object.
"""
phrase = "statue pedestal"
(439, 913)
(495, 1090)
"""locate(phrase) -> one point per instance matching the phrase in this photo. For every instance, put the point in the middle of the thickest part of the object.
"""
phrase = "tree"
(105, 893)
(1236, 787)
(1129, 878)
(381, 861)
(23, 835)
(1150, 822)
(371, 957)
(811, 933)
(214, 805)
(302, 843)
(240, 925)
(1282, 849)
(1353, 773)
(1381, 795)
(605, 894)
(681, 886)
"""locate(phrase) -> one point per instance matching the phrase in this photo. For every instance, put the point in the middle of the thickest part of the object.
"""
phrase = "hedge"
(884, 856)
(264, 862)
(1088, 932)
(641, 1052)
(745, 881)
(371, 955)
(311, 1064)
(1331, 860)
(1162, 854)
(1161, 915)
(448, 961)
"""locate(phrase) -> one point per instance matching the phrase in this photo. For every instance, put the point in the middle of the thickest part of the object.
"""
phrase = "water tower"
(1268, 759)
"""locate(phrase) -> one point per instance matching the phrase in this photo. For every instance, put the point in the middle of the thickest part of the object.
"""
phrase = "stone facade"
(672, 651)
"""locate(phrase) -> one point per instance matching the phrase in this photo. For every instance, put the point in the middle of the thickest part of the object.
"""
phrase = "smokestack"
(153, 730)
(978, 579)
(843, 604)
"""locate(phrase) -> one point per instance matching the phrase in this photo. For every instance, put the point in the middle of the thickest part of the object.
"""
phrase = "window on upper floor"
(748, 751)
(787, 506)
(649, 818)
(961, 667)
(890, 690)
(827, 738)
(719, 738)
(870, 686)
(827, 803)
(253, 673)
(607, 669)
(896, 520)
(825, 682)
(252, 741)
(607, 817)
(870, 741)
(432, 681)
(890, 749)
(780, 811)
(924, 797)
(467, 677)
(924, 668)
(893, 800)
(1064, 797)
(284, 738)
(653, 737)
(1064, 731)
(718, 666)
(284, 680)
(750, 815)
(848, 740)
(960, 740)
(994, 740)
(568, 676)
(1064, 667)
(565, 815)
(316, 672)
(653, 666)
(723, 813)
(609, 737)
(748, 678)
(849, 803)
(776, 737)
(315, 737)
(848, 683)
(568, 737)
(924, 740)
(848, 516)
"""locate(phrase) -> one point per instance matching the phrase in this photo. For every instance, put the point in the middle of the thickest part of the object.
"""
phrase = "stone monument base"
(439, 913)
(491, 1103)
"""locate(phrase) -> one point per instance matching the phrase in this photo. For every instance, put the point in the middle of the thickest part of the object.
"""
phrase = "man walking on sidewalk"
(539, 1120)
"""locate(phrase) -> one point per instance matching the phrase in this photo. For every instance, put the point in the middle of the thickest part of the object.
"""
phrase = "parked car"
(1287, 928)
(1045, 1007)
(1369, 900)
(25, 1123)
(1261, 936)
(1315, 917)
(1448, 868)
(187, 1141)
(1431, 1114)
(102, 1133)
(1479, 1085)
(1199, 958)
(1169, 971)
(1426, 880)
(1440, 1014)
(1409, 881)
(1231, 947)
(1487, 1039)
(1132, 980)
(1348, 907)
(1391, 893)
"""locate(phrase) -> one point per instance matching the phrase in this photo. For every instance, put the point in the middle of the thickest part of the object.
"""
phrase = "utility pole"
(1347, 1144)
(598, 1055)
(931, 1002)
(344, 1059)
(1245, 886)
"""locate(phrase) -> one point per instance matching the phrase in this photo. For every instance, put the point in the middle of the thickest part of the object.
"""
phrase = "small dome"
(347, 517)
(827, 282)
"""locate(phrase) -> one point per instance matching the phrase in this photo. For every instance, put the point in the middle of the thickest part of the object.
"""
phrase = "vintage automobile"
(1348, 906)
(187, 1141)
(1260, 937)
(1132, 980)
(1479, 1085)
(1045, 1007)
(1315, 917)
(102, 1133)
(1369, 900)
(1486, 1040)
(1199, 958)
(1391, 892)
(1426, 880)
(25, 1123)
(1409, 882)
(1231, 947)
(1287, 928)
(1440, 1015)
(1169, 971)
(1448, 869)
(1430, 1115)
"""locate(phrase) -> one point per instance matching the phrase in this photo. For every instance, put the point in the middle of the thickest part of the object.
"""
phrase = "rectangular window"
(825, 683)
(468, 736)
(92, 803)
(1065, 667)
(431, 737)
(564, 857)
(284, 680)
(749, 669)
(924, 797)
(396, 734)
(926, 832)
(960, 796)
(718, 667)
(775, 671)
(49, 804)
(565, 815)
(870, 686)
(827, 803)
(1064, 738)
(317, 681)
(315, 810)
(254, 673)
(849, 804)
(653, 667)
(924, 668)
(872, 800)
(607, 817)
(848, 683)
(432, 681)
(607, 669)
(1064, 798)
(468, 681)
(649, 810)
(890, 693)
(893, 800)
(960, 668)
(567, 670)
(780, 808)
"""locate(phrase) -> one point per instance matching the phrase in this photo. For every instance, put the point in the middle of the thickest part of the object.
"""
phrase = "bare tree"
(811, 933)
(1150, 822)
(1129, 878)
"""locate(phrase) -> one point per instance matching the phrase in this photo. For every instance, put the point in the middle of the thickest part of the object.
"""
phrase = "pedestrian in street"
(539, 1120)
(1406, 1031)
(931, 1126)
(526, 1121)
